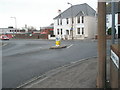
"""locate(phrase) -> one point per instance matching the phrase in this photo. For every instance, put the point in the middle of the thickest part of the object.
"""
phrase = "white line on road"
(70, 46)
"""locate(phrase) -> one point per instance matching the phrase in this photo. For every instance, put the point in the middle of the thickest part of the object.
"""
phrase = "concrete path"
(80, 74)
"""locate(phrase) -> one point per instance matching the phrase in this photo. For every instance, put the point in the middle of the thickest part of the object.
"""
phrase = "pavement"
(79, 74)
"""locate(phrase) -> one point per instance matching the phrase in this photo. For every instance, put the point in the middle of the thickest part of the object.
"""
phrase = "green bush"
(109, 31)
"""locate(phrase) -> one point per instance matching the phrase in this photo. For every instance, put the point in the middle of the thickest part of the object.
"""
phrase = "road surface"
(23, 60)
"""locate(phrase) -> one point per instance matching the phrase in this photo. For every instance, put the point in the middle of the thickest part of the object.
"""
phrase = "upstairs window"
(78, 19)
(72, 20)
(58, 31)
(58, 21)
(67, 21)
(82, 19)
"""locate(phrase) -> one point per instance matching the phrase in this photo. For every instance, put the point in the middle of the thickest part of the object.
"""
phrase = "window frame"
(58, 22)
(67, 20)
(58, 31)
(82, 19)
(83, 31)
(78, 19)
(78, 31)
(67, 32)
(61, 31)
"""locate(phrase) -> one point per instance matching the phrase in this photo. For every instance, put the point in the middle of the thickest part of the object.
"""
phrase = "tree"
(31, 29)
(109, 31)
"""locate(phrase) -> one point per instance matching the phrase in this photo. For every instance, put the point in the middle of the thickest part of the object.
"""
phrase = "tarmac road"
(26, 59)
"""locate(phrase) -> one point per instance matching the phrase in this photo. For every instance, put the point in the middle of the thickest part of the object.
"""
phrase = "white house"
(77, 22)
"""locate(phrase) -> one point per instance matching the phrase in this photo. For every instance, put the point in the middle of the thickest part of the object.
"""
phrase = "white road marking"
(70, 46)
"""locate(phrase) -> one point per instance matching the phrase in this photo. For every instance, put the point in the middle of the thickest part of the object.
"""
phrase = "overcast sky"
(37, 13)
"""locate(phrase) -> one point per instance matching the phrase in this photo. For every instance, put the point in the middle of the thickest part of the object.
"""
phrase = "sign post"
(115, 59)
(114, 66)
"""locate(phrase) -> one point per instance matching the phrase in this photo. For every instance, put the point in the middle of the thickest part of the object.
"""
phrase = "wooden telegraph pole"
(101, 79)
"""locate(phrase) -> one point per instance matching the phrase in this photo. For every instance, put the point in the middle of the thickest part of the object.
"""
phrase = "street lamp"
(15, 22)
(71, 19)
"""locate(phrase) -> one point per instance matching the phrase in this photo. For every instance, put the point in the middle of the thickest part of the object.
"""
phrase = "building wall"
(10, 31)
(6, 30)
(64, 27)
(89, 25)
(109, 21)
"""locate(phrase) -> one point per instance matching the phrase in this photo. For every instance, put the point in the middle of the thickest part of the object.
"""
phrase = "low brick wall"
(33, 36)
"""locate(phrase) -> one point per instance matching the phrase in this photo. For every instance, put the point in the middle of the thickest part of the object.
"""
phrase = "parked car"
(4, 37)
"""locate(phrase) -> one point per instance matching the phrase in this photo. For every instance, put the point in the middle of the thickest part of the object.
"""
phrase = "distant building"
(7, 30)
(83, 19)
(10, 31)
(48, 30)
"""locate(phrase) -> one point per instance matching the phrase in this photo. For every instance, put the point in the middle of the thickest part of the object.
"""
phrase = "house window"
(67, 32)
(58, 21)
(78, 19)
(67, 21)
(58, 31)
(82, 19)
(72, 20)
(78, 30)
(82, 30)
(61, 31)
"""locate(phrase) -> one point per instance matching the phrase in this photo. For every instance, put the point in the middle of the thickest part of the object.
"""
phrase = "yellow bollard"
(57, 41)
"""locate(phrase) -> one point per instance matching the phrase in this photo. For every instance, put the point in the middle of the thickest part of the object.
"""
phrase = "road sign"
(115, 58)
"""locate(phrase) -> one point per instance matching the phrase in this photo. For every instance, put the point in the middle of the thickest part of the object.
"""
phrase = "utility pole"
(15, 23)
(101, 79)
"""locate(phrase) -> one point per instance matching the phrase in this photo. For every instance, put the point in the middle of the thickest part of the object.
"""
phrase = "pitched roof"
(77, 10)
